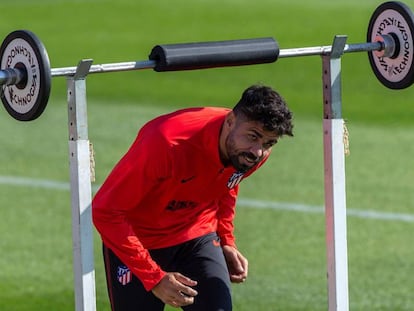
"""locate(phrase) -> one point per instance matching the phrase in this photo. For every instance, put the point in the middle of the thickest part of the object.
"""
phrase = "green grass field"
(285, 248)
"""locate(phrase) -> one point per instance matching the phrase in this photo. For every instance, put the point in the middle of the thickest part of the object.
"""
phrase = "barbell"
(25, 73)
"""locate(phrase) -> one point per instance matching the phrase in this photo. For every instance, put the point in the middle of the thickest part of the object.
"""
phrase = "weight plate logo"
(394, 20)
(19, 54)
(394, 69)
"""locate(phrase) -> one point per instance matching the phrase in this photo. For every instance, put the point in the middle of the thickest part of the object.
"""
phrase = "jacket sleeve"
(227, 210)
(133, 177)
(225, 216)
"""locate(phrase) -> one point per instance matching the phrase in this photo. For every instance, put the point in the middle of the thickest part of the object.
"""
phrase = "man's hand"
(175, 289)
(236, 263)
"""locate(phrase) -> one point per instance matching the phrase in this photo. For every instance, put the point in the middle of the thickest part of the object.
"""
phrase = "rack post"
(81, 192)
(334, 167)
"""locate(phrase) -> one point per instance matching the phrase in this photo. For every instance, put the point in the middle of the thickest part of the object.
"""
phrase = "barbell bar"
(25, 73)
(149, 64)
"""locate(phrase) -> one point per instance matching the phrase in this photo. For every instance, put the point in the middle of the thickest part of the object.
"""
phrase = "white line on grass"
(245, 202)
(320, 209)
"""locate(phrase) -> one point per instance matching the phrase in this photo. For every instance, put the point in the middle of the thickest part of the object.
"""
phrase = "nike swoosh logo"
(184, 180)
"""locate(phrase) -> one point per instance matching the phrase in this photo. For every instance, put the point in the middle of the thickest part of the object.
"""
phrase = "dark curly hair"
(265, 105)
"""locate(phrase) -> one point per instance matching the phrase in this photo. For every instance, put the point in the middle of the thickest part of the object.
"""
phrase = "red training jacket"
(170, 187)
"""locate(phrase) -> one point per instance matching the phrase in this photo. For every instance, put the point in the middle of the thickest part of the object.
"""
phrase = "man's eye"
(269, 144)
(252, 137)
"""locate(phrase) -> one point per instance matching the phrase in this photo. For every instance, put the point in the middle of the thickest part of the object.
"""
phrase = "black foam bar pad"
(199, 55)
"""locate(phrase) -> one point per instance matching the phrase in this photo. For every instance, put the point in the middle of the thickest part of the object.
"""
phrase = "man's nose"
(257, 150)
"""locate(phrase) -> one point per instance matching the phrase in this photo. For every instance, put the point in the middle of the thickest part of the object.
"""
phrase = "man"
(165, 213)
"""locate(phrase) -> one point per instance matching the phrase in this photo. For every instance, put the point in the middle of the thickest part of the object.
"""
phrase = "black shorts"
(200, 259)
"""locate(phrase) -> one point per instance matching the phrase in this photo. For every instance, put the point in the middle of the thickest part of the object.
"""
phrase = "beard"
(242, 161)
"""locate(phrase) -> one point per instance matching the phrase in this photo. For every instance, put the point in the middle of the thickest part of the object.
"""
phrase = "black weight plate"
(26, 100)
(396, 19)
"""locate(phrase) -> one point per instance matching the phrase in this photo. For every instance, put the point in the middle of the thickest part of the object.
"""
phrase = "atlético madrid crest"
(124, 275)
(234, 180)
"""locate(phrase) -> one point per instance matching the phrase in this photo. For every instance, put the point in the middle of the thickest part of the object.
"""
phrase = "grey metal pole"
(102, 68)
(327, 49)
(81, 192)
(334, 167)
(11, 76)
(14, 75)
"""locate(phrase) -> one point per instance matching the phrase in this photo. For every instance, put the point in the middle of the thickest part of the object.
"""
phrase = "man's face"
(247, 143)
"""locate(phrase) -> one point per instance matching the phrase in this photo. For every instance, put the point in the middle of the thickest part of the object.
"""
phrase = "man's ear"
(230, 119)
